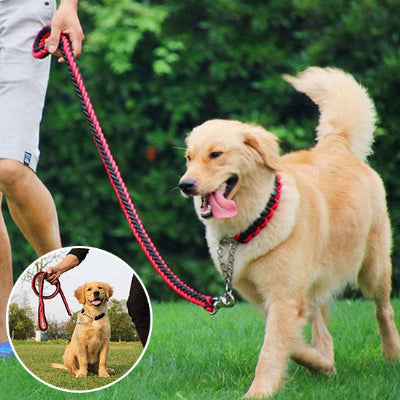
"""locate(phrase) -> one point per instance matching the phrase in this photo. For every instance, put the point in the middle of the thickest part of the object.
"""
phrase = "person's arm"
(80, 252)
(53, 273)
(66, 20)
(71, 260)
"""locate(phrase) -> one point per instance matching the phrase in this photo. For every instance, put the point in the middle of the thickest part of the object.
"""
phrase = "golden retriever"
(88, 349)
(330, 227)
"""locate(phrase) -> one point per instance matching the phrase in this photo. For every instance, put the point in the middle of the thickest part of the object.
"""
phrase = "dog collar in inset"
(262, 221)
(96, 318)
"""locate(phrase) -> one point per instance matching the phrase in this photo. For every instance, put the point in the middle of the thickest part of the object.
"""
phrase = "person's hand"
(65, 20)
(52, 275)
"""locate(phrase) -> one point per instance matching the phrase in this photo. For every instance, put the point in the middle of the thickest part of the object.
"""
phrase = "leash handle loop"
(42, 320)
(39, 49)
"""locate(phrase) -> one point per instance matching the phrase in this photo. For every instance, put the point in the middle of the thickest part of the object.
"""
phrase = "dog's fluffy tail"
(344, 105)
(58, 366)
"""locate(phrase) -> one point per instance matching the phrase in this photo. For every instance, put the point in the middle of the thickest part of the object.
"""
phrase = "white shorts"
(23, 79)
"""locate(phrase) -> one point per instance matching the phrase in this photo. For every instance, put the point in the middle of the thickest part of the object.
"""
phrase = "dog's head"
(226, 159)
(94, 294)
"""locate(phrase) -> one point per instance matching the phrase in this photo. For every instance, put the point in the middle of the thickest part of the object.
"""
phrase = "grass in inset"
(38, 357)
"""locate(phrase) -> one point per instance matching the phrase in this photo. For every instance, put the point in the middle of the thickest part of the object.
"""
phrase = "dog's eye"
(215, 154)
(188, 158)
(89, 289)
(100, 287)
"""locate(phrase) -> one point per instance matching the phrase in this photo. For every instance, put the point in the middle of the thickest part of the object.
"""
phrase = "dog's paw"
(259, 392)
(331, 372)
(81, 374)
(391, 353)
(258, 395)
(328, 371)
(104, 374)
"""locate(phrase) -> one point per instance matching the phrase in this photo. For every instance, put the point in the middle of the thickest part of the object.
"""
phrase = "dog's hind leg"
(71, 362)
(312, 359)
(58, 366)
(319, 357)
(375, 282)
(321, 338)
(388, 331)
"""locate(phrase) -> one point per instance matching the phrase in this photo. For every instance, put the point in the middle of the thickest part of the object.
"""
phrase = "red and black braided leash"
(39, 293)
(40, 51)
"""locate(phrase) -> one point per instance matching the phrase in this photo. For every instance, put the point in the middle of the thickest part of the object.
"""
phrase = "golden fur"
(88, 349)
(331, 227)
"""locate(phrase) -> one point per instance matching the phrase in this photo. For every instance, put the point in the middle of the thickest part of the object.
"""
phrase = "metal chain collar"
(91, 319)
(80, 317)
(227, 299)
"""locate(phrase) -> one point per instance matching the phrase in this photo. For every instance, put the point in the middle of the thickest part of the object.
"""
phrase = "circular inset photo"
(79, 319)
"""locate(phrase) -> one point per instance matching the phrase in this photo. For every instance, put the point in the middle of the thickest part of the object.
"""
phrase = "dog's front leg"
(103, 361)
(283, 327)
(83, 362)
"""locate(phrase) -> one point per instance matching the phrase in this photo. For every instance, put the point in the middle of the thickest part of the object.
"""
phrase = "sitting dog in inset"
(88, 349)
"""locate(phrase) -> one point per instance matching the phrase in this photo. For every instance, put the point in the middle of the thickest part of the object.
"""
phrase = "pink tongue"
(222, 207)
(96, 302)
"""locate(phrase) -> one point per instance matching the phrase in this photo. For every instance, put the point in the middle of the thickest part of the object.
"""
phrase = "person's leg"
(6, 281)
(139, 309)
(23, 84)
(31, 206)
(34, 212)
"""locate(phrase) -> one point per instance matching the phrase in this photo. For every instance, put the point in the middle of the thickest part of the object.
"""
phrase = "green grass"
(37, 357)
(194, 356)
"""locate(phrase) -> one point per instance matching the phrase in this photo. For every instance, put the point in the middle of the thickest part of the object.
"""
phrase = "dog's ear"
(80, 294)
(265, 144)
(109, 290)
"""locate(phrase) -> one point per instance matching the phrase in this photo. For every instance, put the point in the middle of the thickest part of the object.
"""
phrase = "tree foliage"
(56, 330)
(155, 69)
(122, 328)
(20, 325)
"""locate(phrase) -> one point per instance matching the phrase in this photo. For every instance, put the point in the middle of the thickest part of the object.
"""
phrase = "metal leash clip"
(228, 299)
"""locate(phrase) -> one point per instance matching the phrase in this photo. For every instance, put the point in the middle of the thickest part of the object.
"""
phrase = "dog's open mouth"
(217, 204)
(96, 302)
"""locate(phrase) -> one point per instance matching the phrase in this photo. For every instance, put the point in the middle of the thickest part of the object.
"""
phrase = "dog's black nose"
(96, 293)
(187, 185)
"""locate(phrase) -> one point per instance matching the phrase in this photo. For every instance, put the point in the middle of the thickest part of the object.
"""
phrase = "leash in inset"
(39, 293)
(209, 303)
